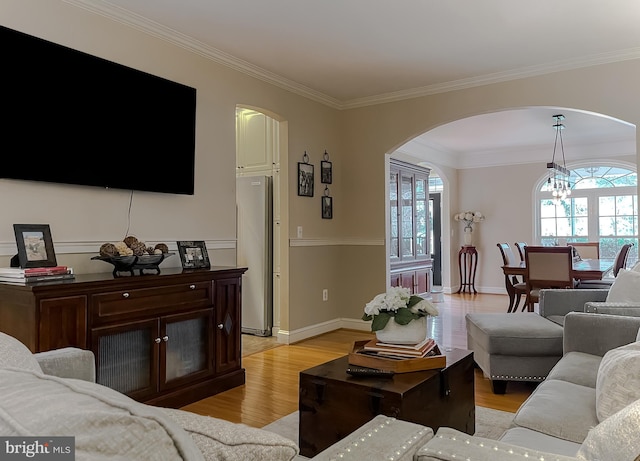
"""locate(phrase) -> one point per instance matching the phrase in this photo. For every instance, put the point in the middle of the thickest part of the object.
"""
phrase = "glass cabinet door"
(407, 216)
(422, 217)
(394, 242)
(127, 358)
(188, 350)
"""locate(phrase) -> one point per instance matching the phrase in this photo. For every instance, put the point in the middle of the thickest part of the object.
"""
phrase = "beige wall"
(346, 254)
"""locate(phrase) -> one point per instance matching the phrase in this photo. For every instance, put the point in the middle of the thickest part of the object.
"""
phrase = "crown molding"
(155, 29)
(498, 77)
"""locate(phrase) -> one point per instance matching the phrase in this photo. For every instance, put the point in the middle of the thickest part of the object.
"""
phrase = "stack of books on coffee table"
(35, 275)
(400, 358)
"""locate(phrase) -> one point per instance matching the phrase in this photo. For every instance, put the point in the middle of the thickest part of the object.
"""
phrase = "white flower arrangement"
(469, 218)
(399, 303)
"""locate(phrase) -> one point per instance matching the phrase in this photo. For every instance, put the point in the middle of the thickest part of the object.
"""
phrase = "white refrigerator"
(254, 251)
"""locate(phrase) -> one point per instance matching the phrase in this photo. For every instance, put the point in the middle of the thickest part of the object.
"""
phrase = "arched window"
(602, 207)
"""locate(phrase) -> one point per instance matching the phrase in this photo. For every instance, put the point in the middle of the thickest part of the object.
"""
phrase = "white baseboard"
(289, 337)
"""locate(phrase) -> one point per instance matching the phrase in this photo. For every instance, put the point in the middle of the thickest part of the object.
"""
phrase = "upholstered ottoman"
(381, 438)
(513, 347)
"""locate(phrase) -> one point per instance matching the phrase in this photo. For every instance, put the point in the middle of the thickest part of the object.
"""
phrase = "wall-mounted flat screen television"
(73, 118)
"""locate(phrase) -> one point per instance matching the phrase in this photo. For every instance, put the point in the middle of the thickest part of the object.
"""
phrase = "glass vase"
(468, 236)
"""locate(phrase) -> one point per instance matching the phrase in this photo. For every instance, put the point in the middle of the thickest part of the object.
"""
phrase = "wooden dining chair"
(587, 250)
(620, 263)
(520, 246)
(546, 267)
(519, 286)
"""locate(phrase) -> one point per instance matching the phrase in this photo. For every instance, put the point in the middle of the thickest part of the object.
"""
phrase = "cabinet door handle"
(157, 340)
(220, 326)
(193, 287)
(125, 295)
(165, 338)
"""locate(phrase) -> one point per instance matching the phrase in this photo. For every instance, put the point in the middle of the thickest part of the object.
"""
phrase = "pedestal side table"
(467, 265)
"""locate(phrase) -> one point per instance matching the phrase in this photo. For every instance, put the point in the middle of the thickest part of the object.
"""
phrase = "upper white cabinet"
(256, 143)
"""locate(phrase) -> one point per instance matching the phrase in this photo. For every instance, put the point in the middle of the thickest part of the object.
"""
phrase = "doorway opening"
(261, 205)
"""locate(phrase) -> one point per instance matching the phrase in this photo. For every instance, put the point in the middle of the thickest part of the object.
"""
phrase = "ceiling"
(351, 53)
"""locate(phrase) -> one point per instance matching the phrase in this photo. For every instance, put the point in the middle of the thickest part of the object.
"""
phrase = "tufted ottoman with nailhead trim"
(382, 438)
(513, 347)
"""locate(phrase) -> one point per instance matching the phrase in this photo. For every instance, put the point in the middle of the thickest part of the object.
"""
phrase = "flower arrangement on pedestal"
(469, 218)
(404, 308)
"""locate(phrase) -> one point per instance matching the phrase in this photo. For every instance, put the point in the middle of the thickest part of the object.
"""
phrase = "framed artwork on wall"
(326, 174)
(35, 245)
(305, 179)
(193, 254)
(327, 207)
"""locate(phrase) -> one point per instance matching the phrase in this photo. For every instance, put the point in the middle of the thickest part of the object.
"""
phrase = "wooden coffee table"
(333, 404)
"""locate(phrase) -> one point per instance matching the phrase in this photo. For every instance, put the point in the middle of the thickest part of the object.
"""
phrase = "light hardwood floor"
(272, 370)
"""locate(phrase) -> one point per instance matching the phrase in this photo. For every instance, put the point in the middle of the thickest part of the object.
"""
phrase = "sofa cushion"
(452, 445)
(561, 409)
(535, 440)
(14, 354)
(382, 438)
(105, 423)
(525, 334)
(616, 438)
(625, 287)
(577, 368)
(618, 382)
(220, 439)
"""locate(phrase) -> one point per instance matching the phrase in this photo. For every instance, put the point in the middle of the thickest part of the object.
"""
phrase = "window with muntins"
(602, 207)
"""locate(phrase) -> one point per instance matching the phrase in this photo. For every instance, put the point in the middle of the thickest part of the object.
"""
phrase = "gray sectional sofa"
(586, 409)
(582, 411)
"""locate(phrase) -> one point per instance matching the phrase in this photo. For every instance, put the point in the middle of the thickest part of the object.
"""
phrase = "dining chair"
(546, 267)
(520, 246)
(519, 287)
(587, 250)
(619, 263)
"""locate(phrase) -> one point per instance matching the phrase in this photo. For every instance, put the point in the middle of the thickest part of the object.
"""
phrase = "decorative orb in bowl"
(133, 263)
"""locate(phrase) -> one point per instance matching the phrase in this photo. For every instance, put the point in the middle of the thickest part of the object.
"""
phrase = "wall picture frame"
(327, 207)
(326, 172)
(193, 254)
(305, 179)
(35, 245)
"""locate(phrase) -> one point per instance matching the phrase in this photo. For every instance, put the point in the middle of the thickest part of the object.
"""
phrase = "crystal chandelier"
(558, 174)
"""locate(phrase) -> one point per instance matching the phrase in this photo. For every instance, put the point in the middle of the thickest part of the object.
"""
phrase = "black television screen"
(73, 118)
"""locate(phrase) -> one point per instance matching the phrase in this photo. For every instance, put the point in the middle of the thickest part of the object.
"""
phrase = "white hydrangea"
(392, 300)
(427, 307)
(469, 217)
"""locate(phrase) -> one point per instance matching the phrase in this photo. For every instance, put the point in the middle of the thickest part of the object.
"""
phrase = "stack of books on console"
(35, 275)
(400, 358)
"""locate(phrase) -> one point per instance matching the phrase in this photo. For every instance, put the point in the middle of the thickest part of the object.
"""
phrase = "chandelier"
(558, 174)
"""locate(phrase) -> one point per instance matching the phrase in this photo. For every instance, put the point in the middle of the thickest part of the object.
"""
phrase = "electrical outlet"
(325, 295)
(299, 232)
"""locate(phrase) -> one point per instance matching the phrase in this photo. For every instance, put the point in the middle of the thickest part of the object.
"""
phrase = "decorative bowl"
(133, 263)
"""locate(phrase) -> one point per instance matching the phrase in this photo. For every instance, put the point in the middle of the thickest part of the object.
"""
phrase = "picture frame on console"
(193, 254)
(35, 246)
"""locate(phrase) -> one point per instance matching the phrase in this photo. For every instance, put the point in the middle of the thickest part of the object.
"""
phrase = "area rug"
(490, 423)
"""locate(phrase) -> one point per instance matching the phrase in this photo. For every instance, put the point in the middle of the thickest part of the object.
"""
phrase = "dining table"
(583, 269)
